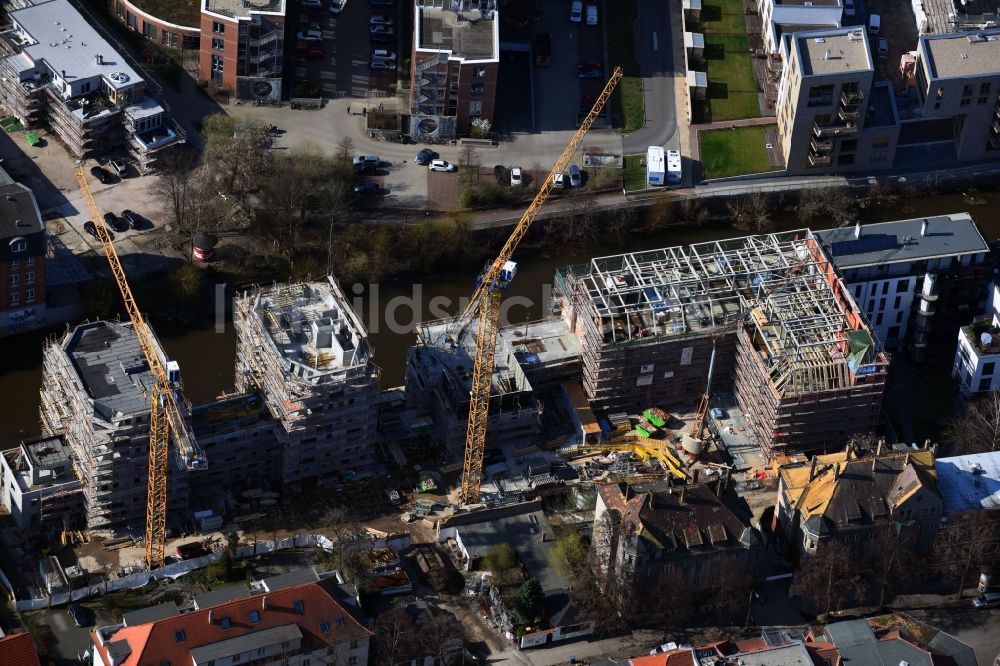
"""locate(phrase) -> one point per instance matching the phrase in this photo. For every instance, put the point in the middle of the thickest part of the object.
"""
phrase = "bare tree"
(889, 554)
(750, 212)
(830, 578)
(832, 202)
(440, 634)
(469, 163)
(969, 541)
(978, 429)
(395, 635)
(238, 148)
(694, 212)
(880, 195)
(175, 184)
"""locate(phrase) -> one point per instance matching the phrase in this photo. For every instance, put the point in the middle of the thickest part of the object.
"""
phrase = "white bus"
(674, 170)
(655, 173)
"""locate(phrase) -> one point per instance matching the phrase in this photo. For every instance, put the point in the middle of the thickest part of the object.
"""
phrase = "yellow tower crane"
(164, 415)
(486, 298)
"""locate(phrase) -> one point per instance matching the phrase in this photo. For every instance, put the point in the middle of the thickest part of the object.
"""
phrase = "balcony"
(266, 39)
(819, 160)
(824, 131)
(847, 115)
(819, 145)
(851, 98)
(152, 139)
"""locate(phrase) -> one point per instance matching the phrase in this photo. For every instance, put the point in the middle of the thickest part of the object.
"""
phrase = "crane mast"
(486, 301)
(164, 415)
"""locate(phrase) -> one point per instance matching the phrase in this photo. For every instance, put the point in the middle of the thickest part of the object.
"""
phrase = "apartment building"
(841, 497)
(306, 352)
(912, 278)
(454, 67)
(38, 486)
(780, 17)
(788, 337)
(23, 249)
(977, 356)
(58, 71)
(302, 625)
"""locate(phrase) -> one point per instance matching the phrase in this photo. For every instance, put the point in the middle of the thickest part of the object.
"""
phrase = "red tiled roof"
(678, 657)
(19, 650)
(156, 642)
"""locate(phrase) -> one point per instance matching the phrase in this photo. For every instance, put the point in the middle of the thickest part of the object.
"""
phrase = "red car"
(316, 53)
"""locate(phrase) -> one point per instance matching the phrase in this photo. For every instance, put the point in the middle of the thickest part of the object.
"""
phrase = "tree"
(694, 212)
(469, 162)
(889, 554)
(440, 635)
(831, 202)
(395, 635)
(187, 281)
(569, 555)
(978, 429)
(238, 148)
(175, 184)
(672, 601)
(530, 602)
(879, 195)
(750, 212)
(501, 560)
(829, 578)
(660, 214)
(968, 542)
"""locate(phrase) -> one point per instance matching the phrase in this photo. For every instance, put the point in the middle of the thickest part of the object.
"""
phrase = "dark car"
(91, 229)
(382, 3)
(81, 616)
(381, 29)
(133, 218)
(501, 174)
(367, 187)
(424, 157)
(102, 174)
(115, 222)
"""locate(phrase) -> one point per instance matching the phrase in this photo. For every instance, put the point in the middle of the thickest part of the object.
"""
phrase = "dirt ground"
(899, 27)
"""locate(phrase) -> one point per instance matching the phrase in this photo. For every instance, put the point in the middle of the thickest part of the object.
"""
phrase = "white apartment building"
(896, 270)
(978, 355)
(780, 17)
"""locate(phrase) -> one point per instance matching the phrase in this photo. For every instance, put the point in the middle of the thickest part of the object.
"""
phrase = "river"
(206, 357)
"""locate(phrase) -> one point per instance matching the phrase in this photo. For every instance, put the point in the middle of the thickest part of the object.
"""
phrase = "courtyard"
(732, 88)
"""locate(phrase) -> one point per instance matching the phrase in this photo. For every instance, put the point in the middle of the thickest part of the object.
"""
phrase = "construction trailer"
(306, 352)
(803, 364)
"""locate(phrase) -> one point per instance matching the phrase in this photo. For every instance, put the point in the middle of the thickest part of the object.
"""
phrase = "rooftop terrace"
(468, 35)
(313, 328)
(244, 8)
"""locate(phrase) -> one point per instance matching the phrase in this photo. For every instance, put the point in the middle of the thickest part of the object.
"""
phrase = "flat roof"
(468, 35)
(244, 8)
(544, 342)
(834, 51)
(789, 654)
(68, 43)
(962, 54)
(111, 367)
(47, 451)
(313, 328)
(900, 241)
(969, 482)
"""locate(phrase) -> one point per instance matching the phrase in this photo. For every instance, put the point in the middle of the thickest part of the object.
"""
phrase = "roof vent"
(119, 77)
(820, 40)
(10, 198)
(826, 56)
(963, 55)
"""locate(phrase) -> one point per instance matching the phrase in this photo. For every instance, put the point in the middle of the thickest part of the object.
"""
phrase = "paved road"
(654, 50)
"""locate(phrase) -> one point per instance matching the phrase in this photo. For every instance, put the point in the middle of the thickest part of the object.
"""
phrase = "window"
(254, 616)
(14, 280)
(29, 295)
(881, 142)
(29, 262)
(843, 160)
(896, 302)
(989, 367)
(849, 146)
(225, 623)
(299, 606)
(820, 95)
(218, 44)
(29, 277)
(885, 288)
(903, 285)
(354, 645)
(260, 651)
(180, 636)
(352, 660)
(477, 88)
(18, 244)
(893, 332)
(15, 299)
(170, 38)
(475, 108)
(218, 28)
(881, 304)
(984, 384)
(148, 30)
(878, 319)
(967, 90)
(236, 658)
(324, 627)
(340, 622)
(13, 265)
(899, 317)
(982, 100)
(965, 102)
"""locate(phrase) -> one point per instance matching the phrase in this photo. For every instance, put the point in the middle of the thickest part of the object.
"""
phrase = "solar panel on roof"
(872, 243)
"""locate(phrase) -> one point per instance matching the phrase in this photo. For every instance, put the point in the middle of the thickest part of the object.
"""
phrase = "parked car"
(382, 37)
(500, 173)
(135, 221)
(102, 174)
(115, 222)
(883, 47)
(384, 54)
(382, 65)
(559, 180)
(382, 3)
(576, 11)
(442, 165)
(874, 24)
(91, 229)
(120, 167)
(424, 157)
(378, 19)
(516, 177)
(81, 616)
(309, 36)
(987, 600)
(367, 187)
(575, 178)
(315, 53)
(588, 70)
(366, 162)
(591, 14)
(849, 10)
(337, 6)
(379, 29)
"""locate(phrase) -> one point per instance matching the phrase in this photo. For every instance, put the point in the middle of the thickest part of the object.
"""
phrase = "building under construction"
(802, 363)
(307, 353)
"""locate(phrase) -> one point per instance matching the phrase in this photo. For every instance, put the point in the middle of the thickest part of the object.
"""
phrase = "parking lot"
(339, 62)
(549, 89)
(66, 640)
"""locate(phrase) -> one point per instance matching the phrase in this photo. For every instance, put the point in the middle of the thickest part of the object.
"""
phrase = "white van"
(874, 23)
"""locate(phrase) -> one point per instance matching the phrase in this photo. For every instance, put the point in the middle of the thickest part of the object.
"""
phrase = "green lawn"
(733, 152)
(627, 100)
(635, 172)
(732, 89)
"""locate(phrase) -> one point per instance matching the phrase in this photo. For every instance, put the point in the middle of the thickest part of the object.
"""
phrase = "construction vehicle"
(165, 416)
(486, 300)
(699, 422)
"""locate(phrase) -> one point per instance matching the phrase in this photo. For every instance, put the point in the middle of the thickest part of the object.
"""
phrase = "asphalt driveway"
(654, 50)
